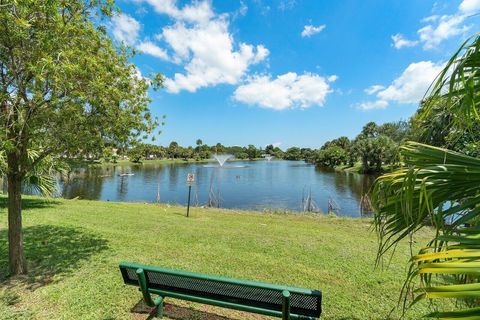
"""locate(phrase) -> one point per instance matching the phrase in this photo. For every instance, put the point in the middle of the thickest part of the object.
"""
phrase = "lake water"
(255, 185)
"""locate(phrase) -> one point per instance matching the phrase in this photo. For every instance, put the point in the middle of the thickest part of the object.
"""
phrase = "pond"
(257, 185)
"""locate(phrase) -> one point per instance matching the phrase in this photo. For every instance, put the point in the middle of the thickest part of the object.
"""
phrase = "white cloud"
(285, 91)
(262, 54)
(440, 28)
(310, 30)
(137, 74)
(332, 78)
(209, 55)
(446, 27)
(470, 6)
(409, 87)
(430, 18)
(141, 11)
(125, 28)
(412, 84)
(370, 105)
(399, 41)
(287, 5)
(374, 89)
(196, 12)
(152, 49)
(243, 9)
(200, 41)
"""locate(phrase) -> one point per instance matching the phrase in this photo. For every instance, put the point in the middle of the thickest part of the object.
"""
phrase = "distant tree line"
(377, 145)
(146, 151)
(201, 151)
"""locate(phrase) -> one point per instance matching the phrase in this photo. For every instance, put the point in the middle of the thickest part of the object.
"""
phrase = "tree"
(397, 131)
(270, 149)
(41, 178)
(108, 154)
(65, 89)
(440, 188)
(293, 153)
(252, 152)
(306, 154)
(135, 154)
(173, 149)
(199, 142)
(241, 155)
(374, 151)
(219, 148)
(370, 130)
(342, 142)
(149, 151)
(436, 126)
(187, 153)
(331, 156)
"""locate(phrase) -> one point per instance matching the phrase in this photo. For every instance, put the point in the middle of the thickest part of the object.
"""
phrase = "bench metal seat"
(262, 298)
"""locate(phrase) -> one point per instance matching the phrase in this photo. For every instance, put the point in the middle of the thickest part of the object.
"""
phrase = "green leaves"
(71, 88)
(373, 151)
(42, 177)
(458, 86)
(457, 264)
(331, 156)
(439, 188)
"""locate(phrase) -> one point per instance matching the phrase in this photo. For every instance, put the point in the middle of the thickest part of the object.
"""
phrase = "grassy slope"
(357, 168)
(74, 248)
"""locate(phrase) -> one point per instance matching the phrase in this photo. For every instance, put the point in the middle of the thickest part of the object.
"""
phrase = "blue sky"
(288, 72)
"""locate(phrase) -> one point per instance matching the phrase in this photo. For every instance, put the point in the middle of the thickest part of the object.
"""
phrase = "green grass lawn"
(73, 248)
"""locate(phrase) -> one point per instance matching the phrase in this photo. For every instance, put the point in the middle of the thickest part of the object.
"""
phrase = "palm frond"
(439, 188)
(459, 85)
(41, 179)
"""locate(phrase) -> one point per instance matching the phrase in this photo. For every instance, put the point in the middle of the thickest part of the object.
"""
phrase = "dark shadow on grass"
(51, 251)
(31, 203)
(182, 214)
(176, 312)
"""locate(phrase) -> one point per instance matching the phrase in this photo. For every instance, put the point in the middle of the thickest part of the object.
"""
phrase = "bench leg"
(159, 303)
(286, 305)
(142, 283)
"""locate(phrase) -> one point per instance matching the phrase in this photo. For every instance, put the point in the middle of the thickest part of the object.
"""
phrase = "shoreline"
(266, 211)
(152, 161)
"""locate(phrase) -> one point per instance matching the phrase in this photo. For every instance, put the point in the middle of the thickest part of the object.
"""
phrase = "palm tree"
(440, 188)
(42, 179)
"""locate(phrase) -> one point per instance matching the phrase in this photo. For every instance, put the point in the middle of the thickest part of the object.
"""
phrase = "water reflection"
(254, 185)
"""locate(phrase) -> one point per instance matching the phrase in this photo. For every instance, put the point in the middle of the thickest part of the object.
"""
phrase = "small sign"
(190, 178)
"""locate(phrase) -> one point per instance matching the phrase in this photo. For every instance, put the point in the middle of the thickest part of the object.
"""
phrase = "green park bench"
(256, 297)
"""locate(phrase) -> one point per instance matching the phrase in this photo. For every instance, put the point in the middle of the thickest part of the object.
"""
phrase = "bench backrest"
(303, 302)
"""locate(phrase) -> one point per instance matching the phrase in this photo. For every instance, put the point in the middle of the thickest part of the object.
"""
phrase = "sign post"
(190, 181)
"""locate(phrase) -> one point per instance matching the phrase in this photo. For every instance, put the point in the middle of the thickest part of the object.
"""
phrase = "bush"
(332, 156)
(135, 155)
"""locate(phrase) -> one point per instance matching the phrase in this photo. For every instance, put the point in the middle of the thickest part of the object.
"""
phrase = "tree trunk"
(16, 255)
(365, 165)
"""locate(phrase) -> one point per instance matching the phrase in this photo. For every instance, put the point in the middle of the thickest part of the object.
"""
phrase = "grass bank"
(358, 168)
(74, 247)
